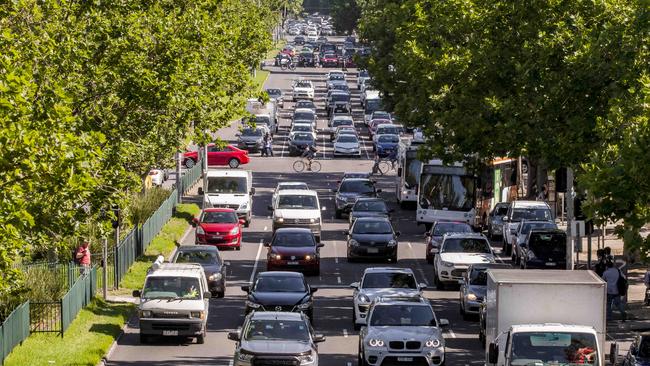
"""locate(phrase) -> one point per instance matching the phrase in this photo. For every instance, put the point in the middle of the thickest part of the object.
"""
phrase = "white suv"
(456, 253)
(519, 211)
(297, 208)
(303, 89)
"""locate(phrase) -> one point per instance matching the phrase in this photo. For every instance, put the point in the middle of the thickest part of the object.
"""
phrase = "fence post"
(116, 282)
(104, 268)
(61, 317)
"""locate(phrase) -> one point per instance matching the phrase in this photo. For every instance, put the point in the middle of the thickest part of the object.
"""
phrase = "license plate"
(170, 332)
(550, 264)
(404, 359)
(292, 263)
(217, 236)
(373, 250)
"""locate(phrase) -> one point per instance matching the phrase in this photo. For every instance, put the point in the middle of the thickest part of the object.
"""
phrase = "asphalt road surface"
(333, 301)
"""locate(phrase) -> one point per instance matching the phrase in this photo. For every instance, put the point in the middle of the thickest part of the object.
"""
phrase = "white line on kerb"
(257, 258)
(345, 333)
(451, 333)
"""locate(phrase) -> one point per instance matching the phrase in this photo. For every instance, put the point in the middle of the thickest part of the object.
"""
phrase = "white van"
(231, 188)
(174, 301)
(297, 208)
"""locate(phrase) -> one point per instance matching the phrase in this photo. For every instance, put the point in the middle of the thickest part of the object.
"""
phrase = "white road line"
(336, 260)
(338, 279)
(424, 276)
(257, 258)
(230, 363)
(451, 333)
(345, 333)
(266, 228)
(349, 364)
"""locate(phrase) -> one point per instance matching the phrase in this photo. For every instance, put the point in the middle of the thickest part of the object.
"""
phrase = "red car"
(329, 60)
(219, 227)
(294, 249)
(227, 155)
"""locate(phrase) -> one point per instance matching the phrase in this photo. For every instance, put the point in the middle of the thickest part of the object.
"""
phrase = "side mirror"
(354, 285)
(201, 191)
(427, 234)
(313, 289)
(270, 207)
(493, 353)
(195, 221)
(422, 286)
(443, 322)
(398, 233)
(207, 295)
(318, 338)
(320, 245)
(246, 288)
(434, 250)
(613, 353)
(136, 293)
(242, 222)
(233, 336)
(378, 191)
(267, 244)
(505, 219)
(252, 191)
(346, 232)
(333, 190)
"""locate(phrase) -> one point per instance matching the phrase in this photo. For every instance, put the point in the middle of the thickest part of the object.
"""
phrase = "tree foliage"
(551, 80)
(94, 94)
(345, 15)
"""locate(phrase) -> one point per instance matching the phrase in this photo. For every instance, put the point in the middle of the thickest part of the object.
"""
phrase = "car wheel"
(189, 163)
(238, 247)
(357, 326)
(393, 259)
(200, 339)
(233, 163)
(436, 280)
(429, 259)
(338, 214)
(144, 339)
(350, 259)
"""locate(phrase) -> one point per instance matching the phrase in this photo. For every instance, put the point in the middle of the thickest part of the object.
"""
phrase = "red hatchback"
(227, 155)
(219, 227)
(294, 249)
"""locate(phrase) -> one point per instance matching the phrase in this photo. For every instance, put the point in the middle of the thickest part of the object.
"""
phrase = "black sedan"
(208, 257)
(280, 291)
(639, 352)
(349, 190)
(369, 207)
(299, 142)
(372, 238)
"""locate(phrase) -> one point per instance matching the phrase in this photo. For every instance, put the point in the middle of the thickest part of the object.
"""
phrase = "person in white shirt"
(646, 282)
(611, 276)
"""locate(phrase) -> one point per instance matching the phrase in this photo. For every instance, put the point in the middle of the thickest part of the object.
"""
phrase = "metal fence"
(79, 296)
(64, 273)
(125, 255)
(190, 177)
(45, 317)
(14, 330)
(157, 220)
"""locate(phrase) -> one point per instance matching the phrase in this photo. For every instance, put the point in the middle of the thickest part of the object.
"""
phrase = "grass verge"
(163, 244)
(85, 342)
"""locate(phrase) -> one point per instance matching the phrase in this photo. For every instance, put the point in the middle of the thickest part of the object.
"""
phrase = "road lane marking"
(417, 263)
(338, 279)
(451, 333)
(257, 258)
(230, 363)
(266, 228)
(349, 363)
(336, 260)
(345, 333)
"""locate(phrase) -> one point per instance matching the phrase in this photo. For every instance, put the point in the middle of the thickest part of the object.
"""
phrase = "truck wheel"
(200, 339)
(233, 163)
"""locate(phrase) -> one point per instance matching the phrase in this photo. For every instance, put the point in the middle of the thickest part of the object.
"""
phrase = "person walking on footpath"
(263, 151)
(616, 289)
(269, 145)
(82, 257)
(646, 282)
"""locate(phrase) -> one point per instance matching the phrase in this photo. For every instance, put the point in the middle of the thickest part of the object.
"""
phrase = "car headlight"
(311, 221)
(197, 314)
(245, 357)
(304, 306)
(432, 343)
(353, 243)
(309, 257)
(363, 298)
(471, 297)
(447, 264)
(279, 220)
(340, 199)
(392, 243)
(145, 313)
(375, 342)
(234, 230)
(243, 206)
(252, 304)
(277, 257)
(306, 359)
(215, 276)
(200, 231)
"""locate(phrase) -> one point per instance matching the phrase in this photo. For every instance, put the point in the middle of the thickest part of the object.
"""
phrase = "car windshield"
(372, 227)
(389, 280)
(199, 256)
(298, 201)
(465, 245)
(304, 116)
(548, 245)
(340, 87)
(478, 277)
(357, 186)
(263, 120)
(402, 315)
(501, 210)
(274, 92)
(301, 136)
(301, 128)
(372, 105)
(553, 348)
(347, 138)
(342, 122)
(363, 73)
(279, 284)
(219, 217)
(336, 76)
(277, 330)
(303, 85)
(252, 132)
(227, 185)
(293, 240)
(519, 214)
(340, 97)
(378, 206)
(380, 115)
(158, 287)
(388, 138)
(283, 187)
(643, 350)
(443, 228)
(439, 191)
(308, 105)
(528, 226)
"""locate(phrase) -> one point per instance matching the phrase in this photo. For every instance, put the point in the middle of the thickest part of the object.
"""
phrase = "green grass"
(85, 342)
(162, 244)
(260, 78)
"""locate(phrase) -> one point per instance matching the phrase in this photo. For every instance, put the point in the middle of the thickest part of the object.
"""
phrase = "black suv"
(349, 190)
(280, 291)
(372, 238)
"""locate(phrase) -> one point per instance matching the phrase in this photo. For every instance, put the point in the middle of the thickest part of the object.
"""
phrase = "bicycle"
(383, 166)
(287, 65)
(311, 165)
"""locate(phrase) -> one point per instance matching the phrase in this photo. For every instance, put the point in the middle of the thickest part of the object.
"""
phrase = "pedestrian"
(615, 290)
(263, 150)
(543, 193)
(82, 257)
(601, 265)
(646, 282)
(269, 145)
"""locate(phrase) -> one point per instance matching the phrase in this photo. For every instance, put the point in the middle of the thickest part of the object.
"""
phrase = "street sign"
(578, 228)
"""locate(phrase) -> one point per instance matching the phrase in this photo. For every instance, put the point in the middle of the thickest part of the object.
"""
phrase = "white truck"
(229, 188)
(545, 317)
(265, 113)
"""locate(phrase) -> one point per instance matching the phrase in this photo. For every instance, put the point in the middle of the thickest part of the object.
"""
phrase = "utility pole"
(569, 221)
(179, 182)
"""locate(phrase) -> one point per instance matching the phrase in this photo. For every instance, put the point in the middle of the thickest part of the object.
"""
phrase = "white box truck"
(545, 317)
(229, 188)
(265, 113)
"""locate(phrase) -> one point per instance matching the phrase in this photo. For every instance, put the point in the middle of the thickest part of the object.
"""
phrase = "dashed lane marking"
(257, 259)
(345, 333)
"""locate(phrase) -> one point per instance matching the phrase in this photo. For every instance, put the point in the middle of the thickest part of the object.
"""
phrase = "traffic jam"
(474, 267)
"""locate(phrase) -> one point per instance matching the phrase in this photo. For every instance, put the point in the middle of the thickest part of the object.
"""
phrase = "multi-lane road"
(333, 301)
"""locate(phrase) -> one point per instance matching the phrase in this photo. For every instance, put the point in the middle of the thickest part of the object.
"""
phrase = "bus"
(446, 193)
(408, 173)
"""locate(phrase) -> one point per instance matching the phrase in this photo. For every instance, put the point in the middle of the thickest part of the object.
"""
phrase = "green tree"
(345, 15)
